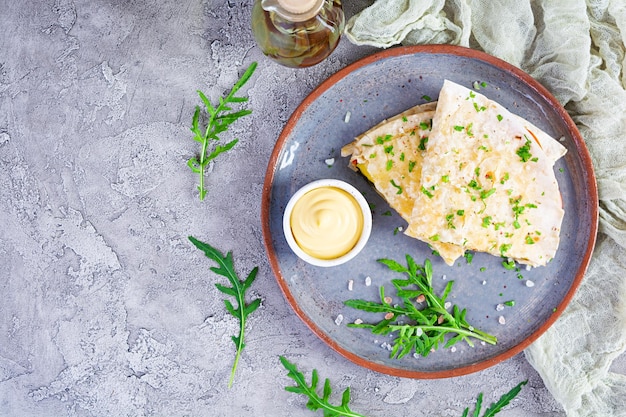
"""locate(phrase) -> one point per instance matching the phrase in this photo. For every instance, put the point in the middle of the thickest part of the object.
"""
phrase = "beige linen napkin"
(577, 50)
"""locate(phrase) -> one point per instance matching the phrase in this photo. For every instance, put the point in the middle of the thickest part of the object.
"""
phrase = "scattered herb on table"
(238, 291)
(220, 117)
(428, 326)
(496, 407)
(316, 402)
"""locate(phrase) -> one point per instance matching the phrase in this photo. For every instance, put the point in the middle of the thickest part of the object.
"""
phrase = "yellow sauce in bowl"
(326, 222)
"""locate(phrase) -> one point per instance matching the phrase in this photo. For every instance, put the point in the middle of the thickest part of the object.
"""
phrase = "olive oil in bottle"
(297, 33)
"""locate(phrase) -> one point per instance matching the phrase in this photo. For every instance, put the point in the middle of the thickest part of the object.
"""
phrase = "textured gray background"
(105, 308)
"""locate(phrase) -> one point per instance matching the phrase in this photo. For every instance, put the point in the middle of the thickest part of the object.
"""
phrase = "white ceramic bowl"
(365, 233)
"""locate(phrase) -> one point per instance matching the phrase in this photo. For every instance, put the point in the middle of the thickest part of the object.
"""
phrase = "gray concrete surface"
(105, 308)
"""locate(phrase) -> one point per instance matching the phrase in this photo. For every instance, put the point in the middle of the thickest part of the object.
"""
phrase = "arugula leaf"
(322, 403)
(315, 401)
(496, 407)
(428, 326)
(220, 117)
(226, 269)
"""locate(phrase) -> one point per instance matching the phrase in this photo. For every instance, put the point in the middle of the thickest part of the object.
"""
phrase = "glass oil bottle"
(297, 33)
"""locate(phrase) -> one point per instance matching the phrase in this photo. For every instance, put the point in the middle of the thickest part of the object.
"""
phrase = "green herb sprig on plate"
(422, 320)
(226, 269)
(220, 117)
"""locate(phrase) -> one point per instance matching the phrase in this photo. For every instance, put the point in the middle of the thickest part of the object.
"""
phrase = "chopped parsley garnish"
(396, 186)
(411, 165)
(387, 213)
(450, 219)
(389, 165)
(459, 128)
(434, 238)
(426, 192)
(460, 212)
(500, 117)
(404, 119)
(524, 152)
(445, 179)
(373, 155)
(402, 156)
(468, 257)
(424, 126)
(508, 264)
(426, 97)
(486, 221)
(479, 109)
(389, 149)
(510, 303)
(486, 193)
(504, 248)
(423, 142)
(530, 240)
(504, 178)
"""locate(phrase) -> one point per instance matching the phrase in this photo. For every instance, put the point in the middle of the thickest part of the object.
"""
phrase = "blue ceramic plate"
(371, 90)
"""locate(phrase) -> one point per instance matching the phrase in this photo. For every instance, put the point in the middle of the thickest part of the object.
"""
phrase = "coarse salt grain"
(501, 320)
(347, 118)
(529, 283)
(447, 305)
(388, 300)
(444, 277)
(500, 307)
(453, 349)
(358, 321)
(350, 284)
(339, 319)
(484, 282)
(368, 281)
(329, 161)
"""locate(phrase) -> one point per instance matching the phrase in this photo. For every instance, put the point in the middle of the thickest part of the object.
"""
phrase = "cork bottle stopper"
(295, 10)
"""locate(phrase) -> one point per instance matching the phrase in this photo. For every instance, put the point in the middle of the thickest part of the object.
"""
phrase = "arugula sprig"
(315, 401)
(322, 403)
(495, 408)
(220, 117)
(238, 291)
(429, 318)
